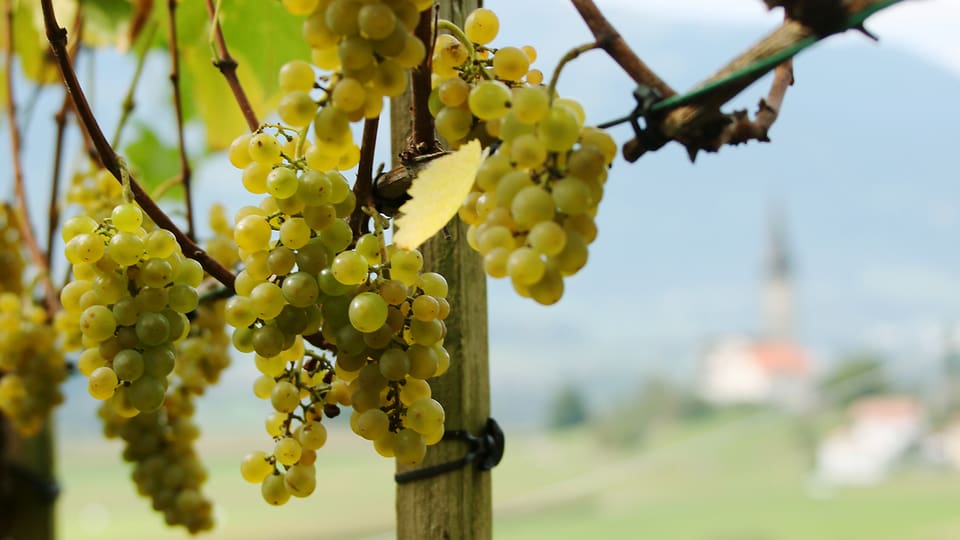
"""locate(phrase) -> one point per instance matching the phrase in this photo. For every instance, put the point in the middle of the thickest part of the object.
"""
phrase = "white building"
(741, 371)
(881, 430)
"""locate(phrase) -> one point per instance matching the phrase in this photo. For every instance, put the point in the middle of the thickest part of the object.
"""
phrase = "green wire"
(766, 64)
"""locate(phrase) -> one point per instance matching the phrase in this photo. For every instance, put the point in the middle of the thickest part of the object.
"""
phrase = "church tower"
(778, 283)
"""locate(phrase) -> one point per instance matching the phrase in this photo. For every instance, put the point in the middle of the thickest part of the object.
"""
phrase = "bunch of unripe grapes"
(472, 82)
(11, 256)
(368, 47)
(167, 469)
(32, 365)
(389, 333)
(130, 292)
(286, 245)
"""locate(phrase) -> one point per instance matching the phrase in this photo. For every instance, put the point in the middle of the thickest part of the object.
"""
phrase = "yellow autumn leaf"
(436, 194)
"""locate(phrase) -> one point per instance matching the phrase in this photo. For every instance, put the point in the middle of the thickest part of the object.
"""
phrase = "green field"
(742, 477)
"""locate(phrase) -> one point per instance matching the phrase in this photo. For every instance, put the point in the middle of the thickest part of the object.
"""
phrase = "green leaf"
(30, 41)
(152, 160)
(261, 37)
(105, 22)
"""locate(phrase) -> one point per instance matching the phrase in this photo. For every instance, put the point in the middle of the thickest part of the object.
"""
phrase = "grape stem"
(185, 172)
(228, 66)
(23, 210)
(424, 140)
(60, 119)
(57, 36)
(363, 187)
(571, 55)
(129, 104)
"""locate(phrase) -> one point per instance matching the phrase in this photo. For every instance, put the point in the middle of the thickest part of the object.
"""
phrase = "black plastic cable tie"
(485, 449)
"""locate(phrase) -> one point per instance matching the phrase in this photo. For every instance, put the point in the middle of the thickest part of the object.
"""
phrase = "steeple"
(778, 281)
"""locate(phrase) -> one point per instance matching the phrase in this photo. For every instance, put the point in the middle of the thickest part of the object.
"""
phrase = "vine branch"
(185, 171)
(363, 187)
(424, 140)
(129, 103)
(57, 36)
(228, 67)
(23, 215)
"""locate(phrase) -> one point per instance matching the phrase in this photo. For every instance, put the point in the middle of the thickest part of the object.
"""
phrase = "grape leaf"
(436, 194)
(152, 160)
(30, 40)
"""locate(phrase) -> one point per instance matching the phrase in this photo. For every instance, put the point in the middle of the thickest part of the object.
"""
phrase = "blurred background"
(763, 346)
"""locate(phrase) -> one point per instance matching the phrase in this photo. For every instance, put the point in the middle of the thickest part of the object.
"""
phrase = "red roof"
(891, 406)
(781, 358)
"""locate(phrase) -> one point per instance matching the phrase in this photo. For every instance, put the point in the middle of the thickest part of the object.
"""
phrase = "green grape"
(255, 467)
(252, 233)
(574, 255)
(268, 340)
(314, 189)
(372, 424)
(433, 284)
(313, 436)
(409, 261)
(426, 332)
(90, 360)
(300, 289)
(296, 75)
(368, 246)
(78, 225)
(528, 152)
(530, 104)
(332, 127)
(295, 233)
(491, 170)
(330, 286)
(571, 196)
(263, 386)
(409, 447)
(355, 53)
(412, 54)
(271, 366)
(300, 480)
(285, 397)
(481, 26)
(443, 362)
(128, 365)
(559, 129)
(448, 52)
(300, 7)
(282, 182)
(510, 184)
(531, 205)
(268, 300)
(274, 423)
(453, 123)
(264, 148)
(274, 490)
(86, 248)
(102, 383)
(158, 361)
(287, 451)
(495, 262)
(425, 416)
(453, 92)
(510, 64)
(156, 272)
(512, 128)
(425, 307)
(127, 217)
(126, 248)
(182, 298)
(573, 107)
(146, 393)
(349, 268)
(547, 238)
(312, 257)
(280, 261)
(393, 43)
(342, 15)
(376, 21)
(423, 361)
(368, 311)
(583, 225)
(489, 100)
(327, 58)
(317, 35)
(348, 95)
(190, 273)
(586, 162)
(525, 266)
(97, 323)
(160, 244)
(549, 289)
(393, 291)
(179, 324)
(254, 177)
(390, 79)
(394, 364)
(414, 389)
(153, 329)
(71, 293)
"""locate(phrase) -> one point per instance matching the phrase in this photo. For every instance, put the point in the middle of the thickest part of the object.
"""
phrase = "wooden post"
(454, 505)
(26, 491)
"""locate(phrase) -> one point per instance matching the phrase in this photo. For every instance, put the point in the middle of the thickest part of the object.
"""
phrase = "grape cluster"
(11, 256)
(32, 365)
(472, 82)
(368, 47)
(130, 295)
(166, 467)
(95, 191)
